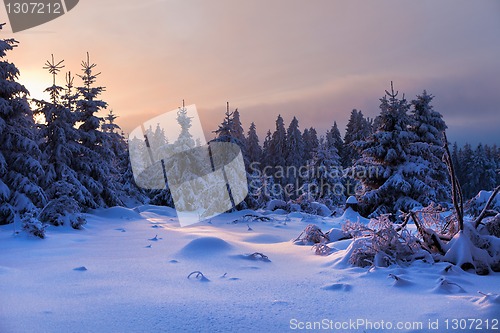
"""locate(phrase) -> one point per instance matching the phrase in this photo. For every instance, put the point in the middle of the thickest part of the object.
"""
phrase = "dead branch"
(456, 190)
(484, 213)
(431, 239)
(198, 275)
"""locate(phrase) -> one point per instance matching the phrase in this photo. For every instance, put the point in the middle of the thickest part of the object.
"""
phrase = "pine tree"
(254, 151)
(61, 148)
(294, 151)
(94, 169)
(387, 182)
(20, 168)
(324, 176)
(277, 148)
(237, 131)
(334, 139)
(426, 152)
(466, 159)
(115, 142)
(266, 152)
(358, 129)
(311, 142)
(482, 175)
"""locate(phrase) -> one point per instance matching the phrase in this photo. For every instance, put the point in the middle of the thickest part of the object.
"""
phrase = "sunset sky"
(314, 59)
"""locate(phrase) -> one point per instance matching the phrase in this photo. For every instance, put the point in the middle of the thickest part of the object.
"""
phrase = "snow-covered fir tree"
(311, 142)
(482, 175)
(334, 139)
(253, 149)
(61, 148)
(294, 151)
(94, 167)
(324, 177)
(384, 170)
(20, 169)
(426, 151)
(116, 143)
(466, 176)
(358, 128)
(266, 152)
(277, 148)
(237, 131)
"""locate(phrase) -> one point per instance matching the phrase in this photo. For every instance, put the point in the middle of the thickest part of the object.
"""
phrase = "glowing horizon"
(316, 60)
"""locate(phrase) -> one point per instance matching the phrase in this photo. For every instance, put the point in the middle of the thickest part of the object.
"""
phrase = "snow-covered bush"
(380, 244)
(312, 234)
(61, 211)
(33, 226)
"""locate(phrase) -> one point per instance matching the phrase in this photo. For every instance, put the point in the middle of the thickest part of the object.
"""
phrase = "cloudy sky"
(314, 59)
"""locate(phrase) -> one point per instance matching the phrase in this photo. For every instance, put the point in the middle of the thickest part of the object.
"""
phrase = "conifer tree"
(254, 151)
(334, 139)
(266, 152)
(358, 129)
(311, 142)
(94, 167)
(294, 151)
(325, 180)
(426, 151)
(20, 168)
(387, 181)
(277, 148)
(61, 148)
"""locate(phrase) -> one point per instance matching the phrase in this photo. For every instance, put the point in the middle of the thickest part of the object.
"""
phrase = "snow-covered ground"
(127, 272)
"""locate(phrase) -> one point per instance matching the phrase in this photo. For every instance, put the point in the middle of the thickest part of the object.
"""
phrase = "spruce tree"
(311, 142)
(94, 167)
(358, 129)
(294, 151)
(384, 169)
(254, 151)
(61, 149)
(334, 139)
(427, 150)
(20, 168)
(277, 148)
(266, 152)
(324, 177)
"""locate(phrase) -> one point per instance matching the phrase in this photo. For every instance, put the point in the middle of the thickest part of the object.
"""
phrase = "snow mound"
(445, 286)
(338, 287)
(205, 246)
(353, 216)
(320, 209)
(158, 210)
(121, 213)
(335, 234)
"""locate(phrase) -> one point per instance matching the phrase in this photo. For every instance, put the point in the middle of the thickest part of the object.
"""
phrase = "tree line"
(70, 159)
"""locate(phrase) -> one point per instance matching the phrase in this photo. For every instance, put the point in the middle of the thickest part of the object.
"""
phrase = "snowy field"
(127, 271)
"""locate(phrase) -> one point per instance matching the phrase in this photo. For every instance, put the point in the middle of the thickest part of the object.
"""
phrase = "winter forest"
(60, 157)
(391, 192)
